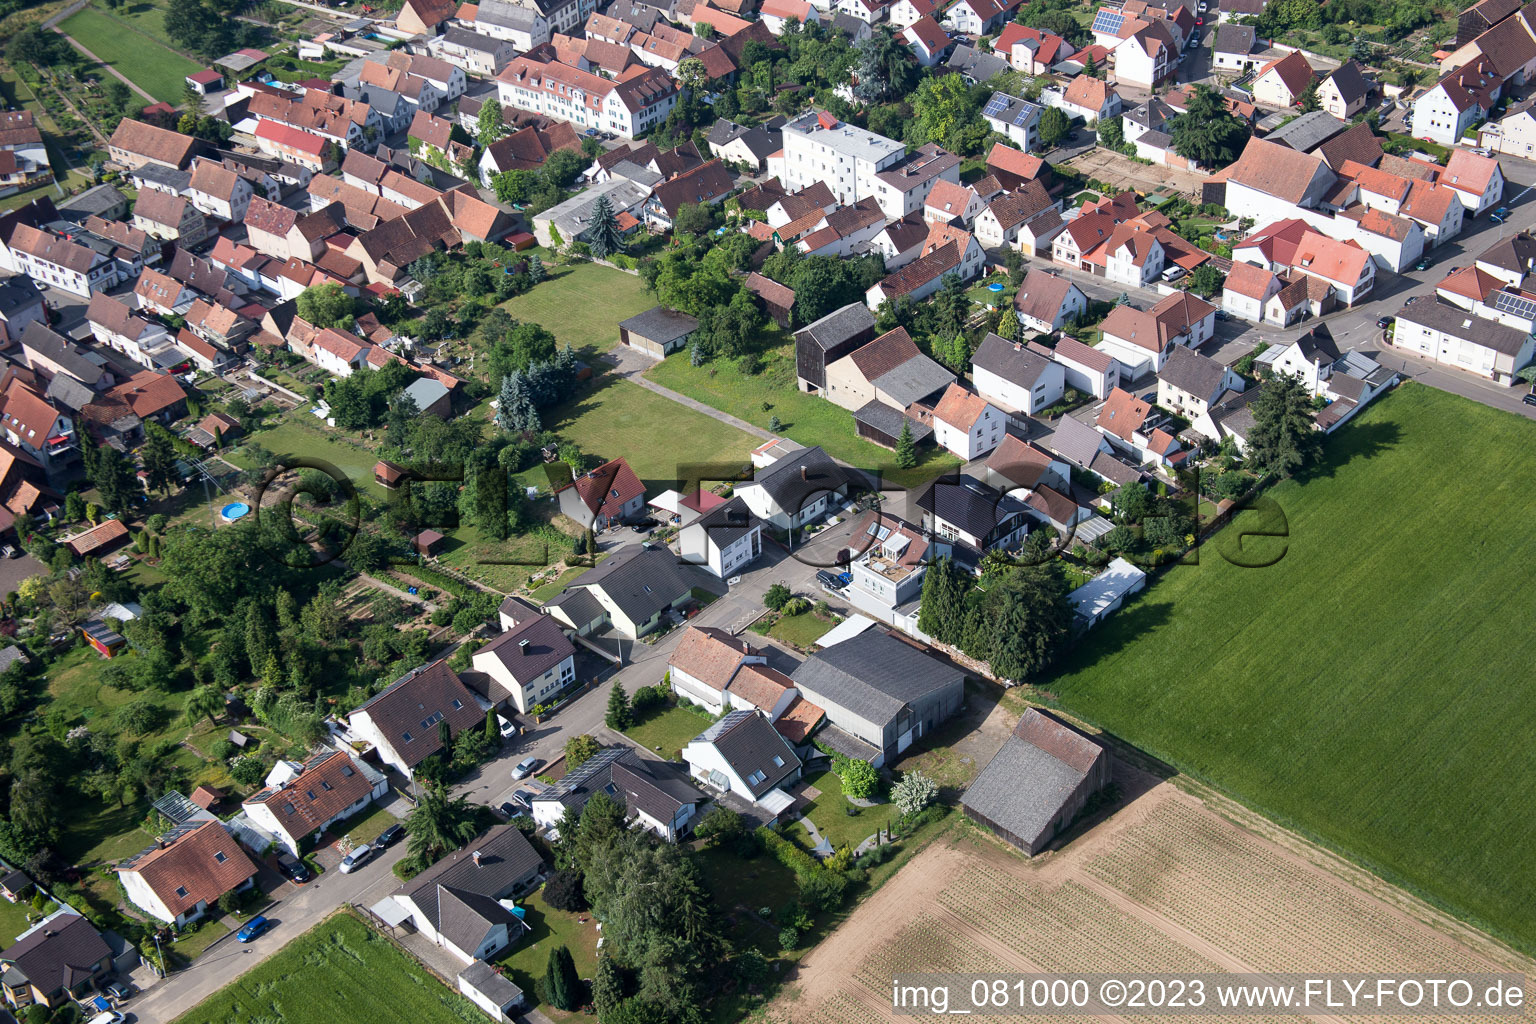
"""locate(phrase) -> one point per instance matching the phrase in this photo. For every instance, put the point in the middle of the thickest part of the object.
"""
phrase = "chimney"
(523, 644)
(804, 474)
(476, 858)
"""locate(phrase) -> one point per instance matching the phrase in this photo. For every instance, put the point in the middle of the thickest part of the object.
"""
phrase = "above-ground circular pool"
(235, 510)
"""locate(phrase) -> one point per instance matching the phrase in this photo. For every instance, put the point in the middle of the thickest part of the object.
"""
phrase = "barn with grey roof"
(1038, 782)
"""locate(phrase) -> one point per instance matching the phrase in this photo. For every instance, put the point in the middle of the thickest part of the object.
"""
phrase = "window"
(755, 778)
(406, 736)
(457, 705)
(219, 857)
(778, 762)
(181, 892)
(288, 808)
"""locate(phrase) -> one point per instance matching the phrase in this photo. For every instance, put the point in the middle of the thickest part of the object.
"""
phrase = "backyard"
(803, 630)
(292, 435)
(656, 435)
(828, 811)
(340, 970)
(548, 928)
(1328, 690)
(666, 732)
(134, 47)
(582, 305)
(806, 418)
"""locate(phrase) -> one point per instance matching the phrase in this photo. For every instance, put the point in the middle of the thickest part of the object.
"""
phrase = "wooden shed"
(428, 542)
(387, 474)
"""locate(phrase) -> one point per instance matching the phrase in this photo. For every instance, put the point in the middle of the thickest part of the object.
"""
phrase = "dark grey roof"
(531, 648)
(873, 675)
(975, 65)
(726, 523)
(915, 379)
(849, 24)
(581, 606)
(1192, 372)
(482, 977)
(1013, 362)
(1152, 115)
(642, 580)
(658, 788)
(472, 40)
(60, 954)
(1307, 132)
(1234, 413)
(1460, 324)
(506, 859)
(98, 199)
(169, 178)
(969, 504)
(1114, 469)
(1027, 782)
(1075, 441)
(749, 744)
(593, 775)
(42, 340)
(1234, 39)
(1515, 253)
(69, 393)
(1012, 110)
(660, 324)
(797, 479)
(887, 420)
(463, 917)
(838, 326)
(1318, 342)
(16, 294)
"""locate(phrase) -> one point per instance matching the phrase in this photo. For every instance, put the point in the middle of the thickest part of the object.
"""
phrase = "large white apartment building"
(819, 147)
(586, 100)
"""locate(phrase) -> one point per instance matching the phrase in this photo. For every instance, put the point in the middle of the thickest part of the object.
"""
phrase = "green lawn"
(582, 305)
(801, 630)
(829, 813)
(1373, 687)
(806, 418)
(667, 732)
(133, 51)
(294, 436)
(657, 436)
(548, 590)
(548, 928)
(364, 826)
(13, 920)
(339, 970)
(743, 888)
(193, 944)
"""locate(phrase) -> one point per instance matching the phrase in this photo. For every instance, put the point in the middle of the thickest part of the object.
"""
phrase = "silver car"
(356, 859)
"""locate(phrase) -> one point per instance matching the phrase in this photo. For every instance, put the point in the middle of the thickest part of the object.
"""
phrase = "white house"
(725, 540)
(800, 488)
(462, 903)
(326, 788)
(1465, 95)
(1478, 181)
(1015, 377)
(1462, 340)
(1016, 119)
(529, 663)
(703, 664)
(1269, 181)
(1189, 382)
(406, 720)
(743, 755)
(1046, 301)
(1141, 340)
(57, 262)
(186, 872)
(1086, 368)
(965, 512)
(626, 108)
(1281, 82)
(967, 424)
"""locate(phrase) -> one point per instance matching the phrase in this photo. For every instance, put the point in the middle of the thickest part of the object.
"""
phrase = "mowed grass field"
(582, 305)
(132, 51)
(654, 434)
(1374, 687)
(340, 970)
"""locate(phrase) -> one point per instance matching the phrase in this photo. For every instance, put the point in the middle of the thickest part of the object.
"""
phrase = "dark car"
(644, 525)
(1384, 321)
(1423, 264)
(1498, 216)
(1222, 314)
(294, 869)
(1528, 399)
(253, 929)
(389, 837)
(511, 810)
(828, 580)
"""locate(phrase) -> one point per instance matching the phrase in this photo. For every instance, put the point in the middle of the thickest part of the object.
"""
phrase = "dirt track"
(1166, 883)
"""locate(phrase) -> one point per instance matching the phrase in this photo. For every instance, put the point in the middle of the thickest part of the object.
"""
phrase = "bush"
(777, 597)
(823, 890)
(222, 750)
(564, 892)
(788, 854)
(796, 606)
(789, 938)
(648, 699)
(860, 779)
(247, 770)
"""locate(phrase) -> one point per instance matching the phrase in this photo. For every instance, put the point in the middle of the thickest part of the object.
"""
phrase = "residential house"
(725, 539)
(1091, 99)
(1088, 369)
(288, 143)
(1147, 57)
(705, 185)
(528, 664)
(53, 356)
(461, 903)
(1270, 181)
(776, 13)
(603, 497)
(966, 423)
(327, 788)
(56, 960)
(1309, 357)
(1020, 466)
(1477, 181)
(1259, 295)
(741, 146)
(134, 144)
(472, 52)
(977, 17)
(1045, 301)
(632, 590)
(33, 424)
(1346, 267)
(951, 203)
(60, 263)
(845, 157)
(1510, 259)
(21, 303)
(1281, 82)
(1130, 424)
(186, 872)
(1462, 97)
(424, 17)
(1189, 383)
(219, 192)
(1038, 782)
(881, 694)
(1463, 340)
(406, 721)
(526, 149)
(173, 218)
(637, 103)
(964, 518)
(743, 755)
(889, 370)
(1232, 49)
(903, 13)
(1343, 91)
(657, 796)
(115, 325)
(1141, 340)
(802, 487)
(1014, 377)
(1015, 119)
(1031, 50)
(524, 27)
(704, 663)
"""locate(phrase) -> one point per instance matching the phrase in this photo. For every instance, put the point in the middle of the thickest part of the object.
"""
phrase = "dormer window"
(219, 857)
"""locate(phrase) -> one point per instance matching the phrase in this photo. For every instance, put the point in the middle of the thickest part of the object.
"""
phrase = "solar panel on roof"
(1108, 22)
(1022, 117)
(1519, 305)
(996, 105)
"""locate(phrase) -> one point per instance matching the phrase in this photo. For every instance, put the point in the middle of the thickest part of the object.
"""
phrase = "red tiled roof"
(196, 868)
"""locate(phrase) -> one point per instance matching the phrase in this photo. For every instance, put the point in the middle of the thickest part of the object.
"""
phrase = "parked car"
(119, 990)
(1194, 39)
(505, 727)
(109, 1017)
(526, 767)
(1384, 322)
(1222, 314)
(1424, 263)
(644, 525)
(828, 580)
(1500, 215)
(591, 133)
(845, 578)
(1174, 272)
(257, 926)
(294, 869)
(356, 859)
(1528, 399)
(510, 809)
(389, 837)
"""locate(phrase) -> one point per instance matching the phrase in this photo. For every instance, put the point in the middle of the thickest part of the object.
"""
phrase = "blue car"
(1498, 216)
(253, 929)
